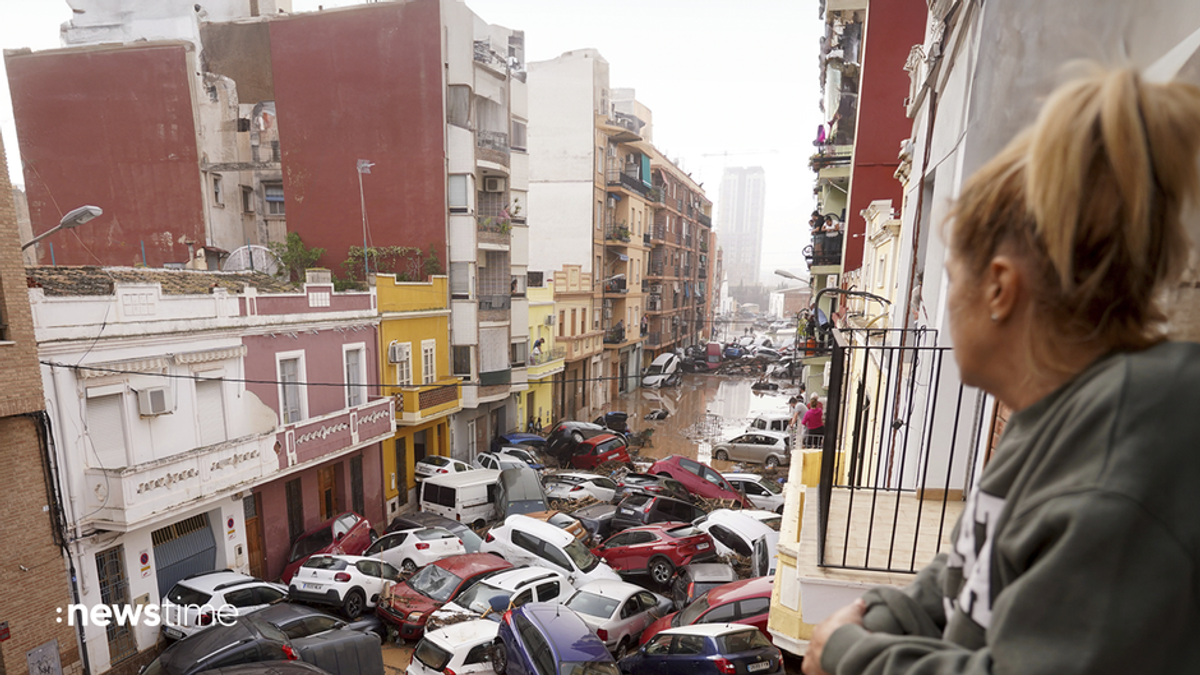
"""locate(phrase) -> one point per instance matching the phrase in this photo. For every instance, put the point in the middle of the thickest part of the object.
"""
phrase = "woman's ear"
(1004, 287)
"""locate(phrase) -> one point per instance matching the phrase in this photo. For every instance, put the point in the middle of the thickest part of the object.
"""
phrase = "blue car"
(542, 638)
(519, 438)
(706, 649)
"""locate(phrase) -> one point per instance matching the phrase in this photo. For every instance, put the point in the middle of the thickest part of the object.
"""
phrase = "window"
(458, 105)
(273, 194)
(518, 136)
(218, 197)
(462, 361)
(291, 391)
(723, 614)
(210, 411)
(525, 541)
(247, 200)
(106, 430)
(460, 280)
(599, 168)
(114, 590)
(534, 279)
(549, 552)
(295, 508)
(583, 320)
(457, 193)
(599, 218)
(402, 358)
(356, 376)
(429, 361)
(753, 607)
(573, 318)
(519, 353)
(548, 591)
(562, 321)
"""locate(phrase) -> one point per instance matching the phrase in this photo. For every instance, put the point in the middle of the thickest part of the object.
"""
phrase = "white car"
(488, 460)
(351, 582)
(504, 590)
(433, 465)
(411, 549)
(461, 648)
(521, 454)
(734, 532)
(618, 612)
(184, 610)
(522, 540)
(579, 486)
(663, 372)
(763, 493)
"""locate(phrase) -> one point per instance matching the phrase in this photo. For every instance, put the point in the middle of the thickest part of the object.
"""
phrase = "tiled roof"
(63, 281)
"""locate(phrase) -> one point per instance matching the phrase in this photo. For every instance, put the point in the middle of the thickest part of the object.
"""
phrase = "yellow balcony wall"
(421, 403)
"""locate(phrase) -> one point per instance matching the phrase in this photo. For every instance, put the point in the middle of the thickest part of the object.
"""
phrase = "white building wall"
(560, 225)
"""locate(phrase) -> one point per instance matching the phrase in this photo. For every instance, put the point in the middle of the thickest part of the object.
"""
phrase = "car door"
(604, 488)
(552, 554)
(646, 616)
(611, 450)
(627, 619)
(753, 612)
(389, 547)
(617, 550)
(687, 651)
(739, 448)
(551, 591)
(526, 548)
(642, 545)
(371, 578)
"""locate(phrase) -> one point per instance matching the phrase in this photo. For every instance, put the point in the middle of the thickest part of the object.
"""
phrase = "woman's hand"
(852, 613)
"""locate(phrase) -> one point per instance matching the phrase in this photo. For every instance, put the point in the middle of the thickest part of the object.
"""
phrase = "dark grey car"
(693, 581)
(644, 509)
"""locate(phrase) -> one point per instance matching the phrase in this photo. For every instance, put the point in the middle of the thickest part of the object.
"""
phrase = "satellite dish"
(252, 258)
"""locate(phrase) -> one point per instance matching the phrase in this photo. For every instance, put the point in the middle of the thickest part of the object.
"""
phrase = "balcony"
(826, 249)
(580, 346)
(493, 230)
(645, 285)
(617, 233)
(702, 272)
(492, 146)
(124, 498)
(547, 362)
(419, 404)
(656, 195)
(614, 336)
(628, 181)
(654, 339)
(485, 55)
(495, 378)
(495, 302)
(616, 285)
(324, 437)
(705, 220)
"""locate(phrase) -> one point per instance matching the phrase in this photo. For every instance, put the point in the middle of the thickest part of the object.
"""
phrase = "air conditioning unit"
(551, 320)
(656, 288)
(154, 401)
(396, 353)
(493, 184)
(608, 312)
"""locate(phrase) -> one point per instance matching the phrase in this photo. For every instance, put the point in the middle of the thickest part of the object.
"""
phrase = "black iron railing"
(826, 249)
(901, 435)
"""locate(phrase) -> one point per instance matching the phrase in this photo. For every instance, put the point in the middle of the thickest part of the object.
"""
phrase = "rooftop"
(92, 280)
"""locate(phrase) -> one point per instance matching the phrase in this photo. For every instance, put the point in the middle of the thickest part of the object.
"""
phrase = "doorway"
(252, 506)
(327, 492)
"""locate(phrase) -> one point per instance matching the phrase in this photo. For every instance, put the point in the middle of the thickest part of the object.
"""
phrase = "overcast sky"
(720, 76)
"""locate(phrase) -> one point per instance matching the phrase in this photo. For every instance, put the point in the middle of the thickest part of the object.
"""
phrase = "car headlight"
(415, 616)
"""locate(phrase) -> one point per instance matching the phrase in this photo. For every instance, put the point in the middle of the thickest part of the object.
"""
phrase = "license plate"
(755, 667)
(312, 587)
(626, 510)
(174, 633)
(702, 547)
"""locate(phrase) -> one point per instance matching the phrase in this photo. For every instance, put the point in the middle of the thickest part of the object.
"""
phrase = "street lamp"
(788, 275)
(796, 341)
(76, 217)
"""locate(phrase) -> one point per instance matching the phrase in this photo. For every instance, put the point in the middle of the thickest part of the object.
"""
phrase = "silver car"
(759, 447)
(618, 612)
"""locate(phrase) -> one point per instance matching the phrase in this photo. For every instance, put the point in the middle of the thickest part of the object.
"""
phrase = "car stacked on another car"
(460, 649)
(769, 448)
(601, 449)
(347, 534)
(562, 439)
(698, 478)
(408, 550)
(646, 509)
(563, 521)
(299, 621)
(548, 640)
(579, 486)
(618, 612)
(352, 583)
(526, 541)
(634, 483)
(708, 649)
(504, 590)
(188, 607)
(417, 520)
(696, 579)
(747, 601)
(408, 605)
(762, 492)
(490, 460)
(656, 550)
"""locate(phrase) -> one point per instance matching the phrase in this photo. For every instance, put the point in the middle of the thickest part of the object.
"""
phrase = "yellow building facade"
(414, 361)
(547, 359)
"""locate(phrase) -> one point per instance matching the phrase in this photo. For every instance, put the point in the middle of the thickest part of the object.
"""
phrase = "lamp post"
(73, 219)
(795, 341)
(364, 166)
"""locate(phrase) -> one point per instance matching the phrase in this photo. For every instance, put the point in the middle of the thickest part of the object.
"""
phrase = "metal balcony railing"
(615, 286)
(614, 336)
(543, 357)
(493, 140)
(826, 249)
(501, 302)
(898, 451)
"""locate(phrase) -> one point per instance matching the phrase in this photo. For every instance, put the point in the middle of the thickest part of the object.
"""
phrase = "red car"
(347, 534)
(699, 479)
(745, 602)
(656, 549)
(408, 606)
(600, 449)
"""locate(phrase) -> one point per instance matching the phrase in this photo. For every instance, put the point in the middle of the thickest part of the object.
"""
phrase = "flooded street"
(702, 410)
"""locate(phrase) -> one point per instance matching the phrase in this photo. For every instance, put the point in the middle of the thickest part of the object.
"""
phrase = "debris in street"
(741, 564)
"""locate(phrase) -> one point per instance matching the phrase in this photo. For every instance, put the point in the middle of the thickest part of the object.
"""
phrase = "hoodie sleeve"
(1098, 587)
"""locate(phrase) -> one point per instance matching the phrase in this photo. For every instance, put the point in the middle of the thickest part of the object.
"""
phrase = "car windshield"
(692, 612)
(433, 656)
(325, 563)
(471, 541)
(743, 641)
(311, 543)
(771, 487)
(581, 556)
(561, 520)
(182, 595)
(436, 460)
(481, 597)
(654, 369)
(592, 604)
(434, 582)
(588, 668)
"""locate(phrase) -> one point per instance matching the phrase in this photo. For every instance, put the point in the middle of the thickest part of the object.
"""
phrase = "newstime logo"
(171, 616)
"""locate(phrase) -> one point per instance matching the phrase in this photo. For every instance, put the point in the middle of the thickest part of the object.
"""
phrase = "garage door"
(183, 548)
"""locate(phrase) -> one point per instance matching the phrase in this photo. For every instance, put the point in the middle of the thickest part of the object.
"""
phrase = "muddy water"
(704, 409)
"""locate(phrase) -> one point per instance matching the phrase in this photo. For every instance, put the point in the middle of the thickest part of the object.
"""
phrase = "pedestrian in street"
(1078, 550)
(814, 423)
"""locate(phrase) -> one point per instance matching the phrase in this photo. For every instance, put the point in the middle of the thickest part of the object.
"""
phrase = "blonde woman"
(1079, 550)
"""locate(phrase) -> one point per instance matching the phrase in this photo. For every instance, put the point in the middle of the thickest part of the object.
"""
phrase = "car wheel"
(499, 658)
(772, 462)
(353, 605)
(408, 566)
(661, 571)
(721, 456)
(622, 649)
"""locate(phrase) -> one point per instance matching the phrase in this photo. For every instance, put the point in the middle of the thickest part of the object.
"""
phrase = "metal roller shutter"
(182, 549)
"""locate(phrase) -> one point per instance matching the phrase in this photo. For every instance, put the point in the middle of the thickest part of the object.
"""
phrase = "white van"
(772, 421)
(468, 497)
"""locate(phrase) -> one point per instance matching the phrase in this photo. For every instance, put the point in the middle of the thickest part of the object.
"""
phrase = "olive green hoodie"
(1077, 551)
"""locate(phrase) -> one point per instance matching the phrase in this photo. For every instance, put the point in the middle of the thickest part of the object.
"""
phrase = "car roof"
(545, 530)
(471, 632)
(287, 611)
(425, 519)
(352, 559)
(465, 478)
(575, 474)
(218, 580)
(597, 439)
(470, 564)
(612, 589)
(750, 477)
(664, 358)
(519, 576)
(712, 572)
(708, 629)
(657, 527)
(570, 637)
(740, 590)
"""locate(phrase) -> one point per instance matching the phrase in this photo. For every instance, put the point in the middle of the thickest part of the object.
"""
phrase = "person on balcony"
(1078, 550)
(814, 423)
